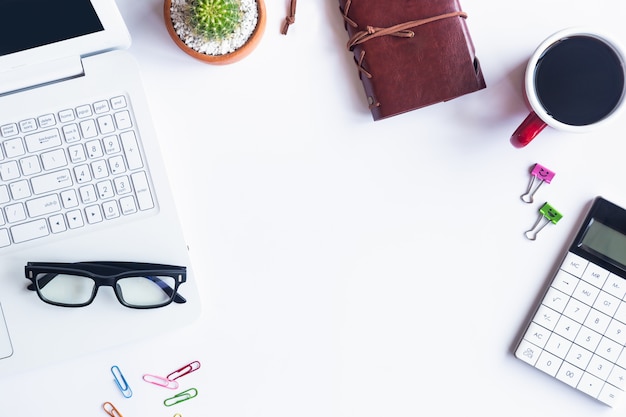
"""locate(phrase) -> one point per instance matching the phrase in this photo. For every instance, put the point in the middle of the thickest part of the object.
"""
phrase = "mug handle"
(530, 127)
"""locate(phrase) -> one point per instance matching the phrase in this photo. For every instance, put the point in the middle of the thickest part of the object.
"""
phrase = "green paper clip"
(547, 215)
(180, 397)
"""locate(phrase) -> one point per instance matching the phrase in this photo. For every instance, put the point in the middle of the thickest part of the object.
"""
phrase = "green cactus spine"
(215, 19)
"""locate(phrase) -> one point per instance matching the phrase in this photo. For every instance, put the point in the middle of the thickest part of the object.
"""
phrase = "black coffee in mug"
(579, 80)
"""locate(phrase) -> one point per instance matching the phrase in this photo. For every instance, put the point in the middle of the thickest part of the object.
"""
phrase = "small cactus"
(215, 19)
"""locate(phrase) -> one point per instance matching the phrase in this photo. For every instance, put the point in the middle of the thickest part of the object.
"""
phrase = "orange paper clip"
(111, 410)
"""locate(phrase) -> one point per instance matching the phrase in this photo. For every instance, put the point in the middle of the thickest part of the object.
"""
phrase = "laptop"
(81, 179)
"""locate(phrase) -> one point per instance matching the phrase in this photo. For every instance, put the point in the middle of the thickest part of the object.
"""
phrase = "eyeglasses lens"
(142, 291)
(65, 289)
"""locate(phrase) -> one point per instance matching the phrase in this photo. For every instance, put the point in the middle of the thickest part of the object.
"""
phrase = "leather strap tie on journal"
(291, 17)
(401, 30)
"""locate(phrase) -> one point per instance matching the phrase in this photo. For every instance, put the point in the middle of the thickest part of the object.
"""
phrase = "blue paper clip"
(111, 410)
(120, 381)
(180, 397)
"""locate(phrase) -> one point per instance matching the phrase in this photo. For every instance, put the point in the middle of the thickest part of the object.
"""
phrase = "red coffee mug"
(575, 81)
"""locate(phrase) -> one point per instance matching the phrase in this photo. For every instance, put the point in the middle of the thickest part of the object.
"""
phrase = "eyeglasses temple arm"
(167, 289)
(45, 280)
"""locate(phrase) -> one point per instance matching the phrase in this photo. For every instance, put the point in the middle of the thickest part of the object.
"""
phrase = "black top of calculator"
(613, 219)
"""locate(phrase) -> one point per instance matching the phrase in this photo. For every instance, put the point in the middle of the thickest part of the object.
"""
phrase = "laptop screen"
(28, 24)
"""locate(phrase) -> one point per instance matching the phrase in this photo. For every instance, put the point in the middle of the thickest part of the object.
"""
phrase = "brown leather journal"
(411, 53)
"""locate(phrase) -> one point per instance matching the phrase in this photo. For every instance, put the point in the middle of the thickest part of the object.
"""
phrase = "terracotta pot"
(229, 58)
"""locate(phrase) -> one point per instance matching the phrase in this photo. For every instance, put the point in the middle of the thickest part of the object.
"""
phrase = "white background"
(351, 267)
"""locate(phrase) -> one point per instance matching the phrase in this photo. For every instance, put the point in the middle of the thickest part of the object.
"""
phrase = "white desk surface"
(351, 267)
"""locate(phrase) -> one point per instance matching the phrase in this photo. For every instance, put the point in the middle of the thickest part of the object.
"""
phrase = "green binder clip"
(547, 215)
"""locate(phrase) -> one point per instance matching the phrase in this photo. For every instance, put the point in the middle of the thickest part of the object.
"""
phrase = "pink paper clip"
(540, 173)
(187, 369)
(160, 381)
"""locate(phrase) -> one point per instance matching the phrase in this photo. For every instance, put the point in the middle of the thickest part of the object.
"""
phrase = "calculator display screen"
(606, 241)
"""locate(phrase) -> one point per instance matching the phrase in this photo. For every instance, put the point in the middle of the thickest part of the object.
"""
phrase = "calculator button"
(597, 321)
(569, 374)
(590, 384)
(546, 317)
(577, 310)
(555, 299)
(574, 264)
(567, 328)
(617, 332)
(606, 303)
(617, 377)
(579, 356)
(558, 345)
(527, 352)
(599, 367)
(565, 282)
(609, 349)
(549, 363)
(609, 395)
(615, 285)
(537, 334)
(586, 293)
(588, 339)
(595, 275)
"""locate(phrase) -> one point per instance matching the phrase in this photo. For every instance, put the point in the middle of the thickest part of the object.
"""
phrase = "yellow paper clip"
(178, 415)
(180, 397)
(120, 381)
(111, 410)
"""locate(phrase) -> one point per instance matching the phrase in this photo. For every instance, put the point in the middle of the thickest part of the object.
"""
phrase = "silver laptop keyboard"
(67, 170)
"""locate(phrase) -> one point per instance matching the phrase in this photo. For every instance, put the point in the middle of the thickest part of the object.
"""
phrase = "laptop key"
(29, 231)
(45, 139)
(51, 182)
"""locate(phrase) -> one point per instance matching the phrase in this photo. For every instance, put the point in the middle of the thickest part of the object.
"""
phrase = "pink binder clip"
(538, 173)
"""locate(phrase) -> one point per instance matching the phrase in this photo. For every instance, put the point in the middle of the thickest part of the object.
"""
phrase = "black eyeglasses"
(136, 285)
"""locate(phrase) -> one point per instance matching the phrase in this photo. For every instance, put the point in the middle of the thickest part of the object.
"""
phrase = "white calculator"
(578, 333)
